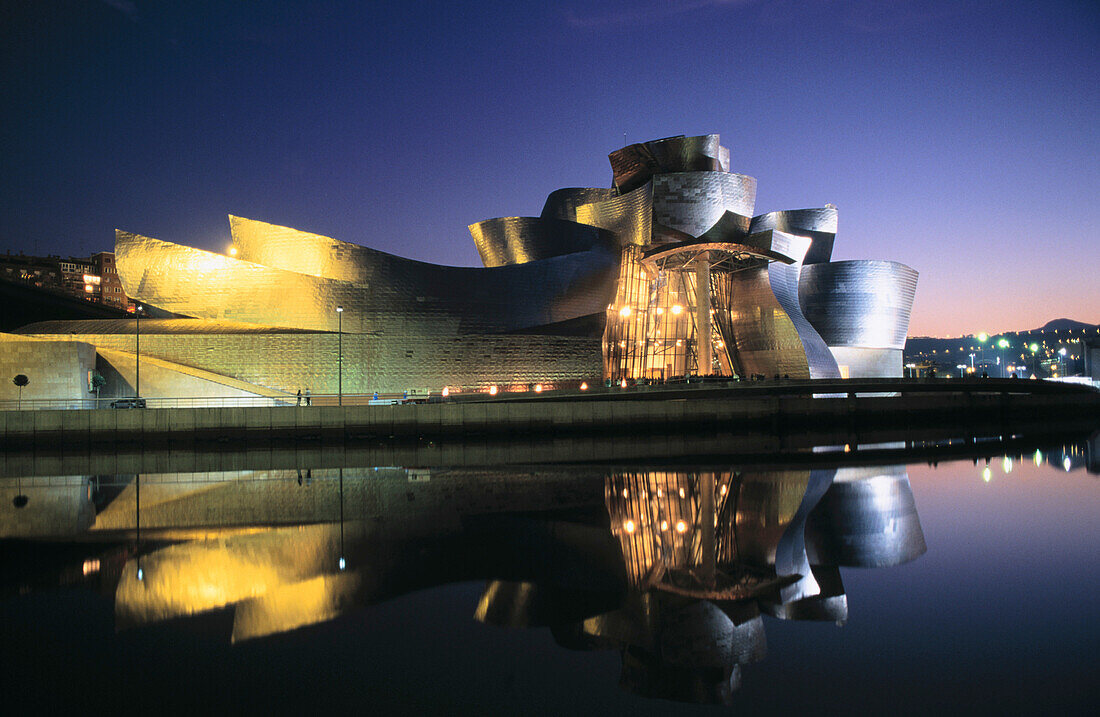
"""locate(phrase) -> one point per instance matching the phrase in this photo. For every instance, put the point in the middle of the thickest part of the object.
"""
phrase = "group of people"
(307, 397)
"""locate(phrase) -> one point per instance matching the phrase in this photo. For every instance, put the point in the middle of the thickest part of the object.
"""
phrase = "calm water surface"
(967, 586)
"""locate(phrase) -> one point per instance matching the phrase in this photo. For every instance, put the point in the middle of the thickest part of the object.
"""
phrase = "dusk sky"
(959, 137)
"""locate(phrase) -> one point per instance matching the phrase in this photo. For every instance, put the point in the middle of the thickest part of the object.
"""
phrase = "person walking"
(308, 401)
(299, 397)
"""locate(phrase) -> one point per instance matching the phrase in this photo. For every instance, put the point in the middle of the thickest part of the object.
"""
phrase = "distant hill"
(1064, 324)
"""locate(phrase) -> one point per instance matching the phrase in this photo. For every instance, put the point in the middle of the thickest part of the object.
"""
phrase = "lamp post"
(1035, 362)
(1002, 344)
(137, 350)
(982, 338)
(1061, 360)
(340, 355)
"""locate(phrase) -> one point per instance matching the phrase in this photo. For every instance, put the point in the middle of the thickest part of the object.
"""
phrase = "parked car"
(128, 403)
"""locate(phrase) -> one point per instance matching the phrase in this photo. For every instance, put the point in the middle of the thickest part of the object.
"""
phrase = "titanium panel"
(519, 240)
(859, 303)
(385, 296)
(860, 362)
(635, 164)
(818, 224)
(563, 203)
(693, 202)
(629, 217)
(760, 321)
(292, 361)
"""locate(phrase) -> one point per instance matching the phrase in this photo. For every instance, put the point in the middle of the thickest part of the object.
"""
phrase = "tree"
(20, 380)
(98, 382)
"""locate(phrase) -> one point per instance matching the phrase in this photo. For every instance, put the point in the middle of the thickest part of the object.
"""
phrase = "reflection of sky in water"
(996, 616)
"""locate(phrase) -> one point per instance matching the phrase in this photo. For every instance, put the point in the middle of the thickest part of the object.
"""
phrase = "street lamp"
(1062, 359)
(1002, 344)
(1035, 362)
(982, 338)
(340, 355)
(137, 350)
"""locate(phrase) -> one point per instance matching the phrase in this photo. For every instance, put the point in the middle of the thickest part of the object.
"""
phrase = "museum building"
(667, 273)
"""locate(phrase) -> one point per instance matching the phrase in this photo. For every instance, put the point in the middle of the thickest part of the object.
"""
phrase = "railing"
(121, 403)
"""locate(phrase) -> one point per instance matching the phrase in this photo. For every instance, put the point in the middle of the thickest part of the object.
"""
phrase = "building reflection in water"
(708, 553)
(678, 585)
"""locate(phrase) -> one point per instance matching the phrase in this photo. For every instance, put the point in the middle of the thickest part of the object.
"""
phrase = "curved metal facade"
(519, 240)
(859, 303)
(692, 202)
(667, 262)
(386, 295)
(634, 164)
(818, 224)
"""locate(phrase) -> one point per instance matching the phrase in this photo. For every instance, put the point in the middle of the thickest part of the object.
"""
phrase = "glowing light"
(664, 525)
(677, 309)
(624, 312)
(626, 493)
(628, 526)
(682, 494)
(446, 392)
(983, 337)
(538, 388)
(681, 527)
(722, 490)
(141, 574)
(232, 251)
(622, 384)
(88, 288)
(91, 566)
(660, 310)
(584, 385)
(492, 390)
(1067, 464)
(1038, 458)
(1006, 465)
(342, 564)
(987, 475)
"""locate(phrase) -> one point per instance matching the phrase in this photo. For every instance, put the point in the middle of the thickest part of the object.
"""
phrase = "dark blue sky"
(960, 137)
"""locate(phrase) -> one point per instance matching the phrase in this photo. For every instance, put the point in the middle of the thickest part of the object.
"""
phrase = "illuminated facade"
(665, 274)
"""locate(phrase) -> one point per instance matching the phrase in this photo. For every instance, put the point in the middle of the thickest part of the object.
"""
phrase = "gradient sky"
(960, 137)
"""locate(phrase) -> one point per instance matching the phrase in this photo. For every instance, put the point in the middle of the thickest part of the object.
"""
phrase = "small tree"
(20, 380)
(98, 382)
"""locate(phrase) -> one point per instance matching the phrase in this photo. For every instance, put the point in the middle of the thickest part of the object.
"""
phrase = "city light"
(232, 251)
(676, 309)
(446, 391)
(584, 385)
(987, 475)
(681, 527)
(538, 388)
(628, 526)
(624, 312)
(492, 390)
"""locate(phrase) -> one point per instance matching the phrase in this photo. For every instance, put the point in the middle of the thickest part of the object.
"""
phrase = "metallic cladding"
(563, 203)
(629, 217)
(818, 224)
(289, 362)
(386, 296)
(693, 202)
(859, 303)
(761, 323)
(518, 240)
(634, 164)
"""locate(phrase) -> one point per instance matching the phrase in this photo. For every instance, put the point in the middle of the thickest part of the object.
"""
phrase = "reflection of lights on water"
(664, 525)
(682, 494)
(987, 475)
(626, 493)
(342, 564)
(1038, 457)
(681, 527)
(1067, 463)
(722, 490)
(91, 566)
(628, 526)
(141, 574)
(1006, 465)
